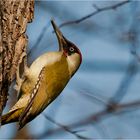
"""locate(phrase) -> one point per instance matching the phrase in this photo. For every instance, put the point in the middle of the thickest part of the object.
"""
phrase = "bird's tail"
(10, 117)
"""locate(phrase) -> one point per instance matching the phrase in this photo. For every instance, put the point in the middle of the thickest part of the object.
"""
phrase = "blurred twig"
(125, 83)
(40, 37)
(117, 108)
(91, 97)
(66, 128)
(133, 66)
(97, 11)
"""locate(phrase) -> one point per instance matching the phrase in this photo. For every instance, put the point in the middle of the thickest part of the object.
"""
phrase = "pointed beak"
(61, 39)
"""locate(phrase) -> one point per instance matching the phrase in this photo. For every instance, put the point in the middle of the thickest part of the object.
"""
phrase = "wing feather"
(51, 81)
(25, 114)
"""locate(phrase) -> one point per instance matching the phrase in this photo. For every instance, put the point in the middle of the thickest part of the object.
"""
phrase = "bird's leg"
(22, 71)
(26, 68)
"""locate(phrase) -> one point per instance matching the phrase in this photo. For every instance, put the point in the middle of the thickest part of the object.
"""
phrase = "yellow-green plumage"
(51, 86)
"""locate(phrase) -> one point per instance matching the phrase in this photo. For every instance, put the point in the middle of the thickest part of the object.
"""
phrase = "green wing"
(24, 117)
(51, 81)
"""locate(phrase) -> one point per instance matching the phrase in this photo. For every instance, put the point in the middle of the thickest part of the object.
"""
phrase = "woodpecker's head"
(70, 50)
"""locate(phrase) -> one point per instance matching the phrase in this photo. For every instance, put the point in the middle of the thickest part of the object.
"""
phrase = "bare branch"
(120, 108)
(40, 37)
(125, 83)
(98, 10)
(64, 127)
(133, 66)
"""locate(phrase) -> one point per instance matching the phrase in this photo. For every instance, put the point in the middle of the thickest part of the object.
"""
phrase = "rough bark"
(14, 16)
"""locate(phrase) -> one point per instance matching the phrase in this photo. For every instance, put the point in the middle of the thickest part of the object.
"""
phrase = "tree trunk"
(14, 16)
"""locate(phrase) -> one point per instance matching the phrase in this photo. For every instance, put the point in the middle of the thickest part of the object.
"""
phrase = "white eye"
(71, 49)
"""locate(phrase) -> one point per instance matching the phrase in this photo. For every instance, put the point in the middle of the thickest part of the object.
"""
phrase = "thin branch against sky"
(97, 11)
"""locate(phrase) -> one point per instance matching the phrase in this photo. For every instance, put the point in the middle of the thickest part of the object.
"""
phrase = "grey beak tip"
(53, 24)
(52, 20)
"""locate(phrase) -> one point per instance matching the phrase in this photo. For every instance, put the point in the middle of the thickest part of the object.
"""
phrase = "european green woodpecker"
(46, 78)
